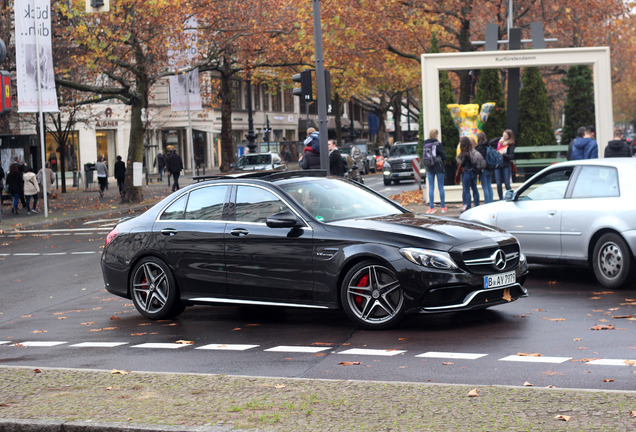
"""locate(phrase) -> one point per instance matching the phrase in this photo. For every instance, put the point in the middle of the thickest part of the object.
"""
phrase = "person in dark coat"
(336, 165)
(174, 166)
(487, 175)
(618, 147)
(120, 174)
(15, 185)
(436, 172)
(160, 163)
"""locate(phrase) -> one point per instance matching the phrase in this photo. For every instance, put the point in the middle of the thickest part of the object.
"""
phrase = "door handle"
(168, 231)
(239, 232)
(552, 212)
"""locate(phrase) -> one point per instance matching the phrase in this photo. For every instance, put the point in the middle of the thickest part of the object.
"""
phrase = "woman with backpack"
(468, 160)
(486, 176)
(433, 158)
(506, 147)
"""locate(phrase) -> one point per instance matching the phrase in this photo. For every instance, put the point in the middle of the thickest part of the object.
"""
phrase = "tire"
(387, 182)
(612, 261)
(372, 296)
(154, 290)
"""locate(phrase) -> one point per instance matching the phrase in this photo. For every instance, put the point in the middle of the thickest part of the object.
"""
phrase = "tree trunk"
(227, 149)
(337, 111)
(134, 194)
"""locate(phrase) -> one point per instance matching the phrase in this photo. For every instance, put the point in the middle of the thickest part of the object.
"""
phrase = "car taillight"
(111, 236)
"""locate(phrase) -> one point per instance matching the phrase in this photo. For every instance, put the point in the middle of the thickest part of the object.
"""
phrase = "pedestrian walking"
(50, 179)
(433, 156)
(618, 147)
(470, 172)
(31, 189)
(120, 174)
(585, 147)
(174, 166)
(102, 175)
(336, 164)
(15, 185)
(505, 146)
(160, 163)
(486, 176)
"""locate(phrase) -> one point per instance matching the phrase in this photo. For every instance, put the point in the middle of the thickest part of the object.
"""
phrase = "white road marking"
(40, 343)
(6, 342)
(297, 349)
(612, 362)
(160, 345)
(99, 344)
(83, 253)
(26, 254)
(227, 347)
(376, 352)
(451, 355)
(535, 359)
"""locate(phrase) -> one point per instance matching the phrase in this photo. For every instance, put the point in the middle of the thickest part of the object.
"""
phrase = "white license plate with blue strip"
(500, 280)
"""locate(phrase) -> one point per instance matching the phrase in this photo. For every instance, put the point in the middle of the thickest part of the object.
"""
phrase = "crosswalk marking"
(370, 352)
(227, 347)
(41, 344)
(160, 345)
(451, 355)
(5, 342)
(535, 359)
(613, 362)
(297, 349)
(99, 344)
(18, 254)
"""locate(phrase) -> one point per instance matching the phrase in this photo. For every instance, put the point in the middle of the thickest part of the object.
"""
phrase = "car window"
(255, 204)
(331, 200)
(206, 203)
(175, 210)
(596, 182)
(548, 187)
(404, 150)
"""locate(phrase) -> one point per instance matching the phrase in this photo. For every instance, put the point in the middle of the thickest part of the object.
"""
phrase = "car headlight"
(429, 258)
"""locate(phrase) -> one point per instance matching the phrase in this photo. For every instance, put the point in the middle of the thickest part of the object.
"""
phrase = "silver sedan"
(574, 213)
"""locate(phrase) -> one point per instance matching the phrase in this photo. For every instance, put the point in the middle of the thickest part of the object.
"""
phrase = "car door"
(534, 217)
(595, 190)
(263, 263)
(191, 235)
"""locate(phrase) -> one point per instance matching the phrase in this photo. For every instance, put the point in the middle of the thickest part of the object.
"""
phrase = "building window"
(236, 94)
(265, 98)
(257, 90)
(289, 100)
(276, 100)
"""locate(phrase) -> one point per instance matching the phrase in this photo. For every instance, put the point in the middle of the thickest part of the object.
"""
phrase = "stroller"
(351, 169)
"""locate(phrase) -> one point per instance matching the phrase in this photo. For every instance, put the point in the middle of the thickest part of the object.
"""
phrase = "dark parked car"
(301, 239)
(398, 166)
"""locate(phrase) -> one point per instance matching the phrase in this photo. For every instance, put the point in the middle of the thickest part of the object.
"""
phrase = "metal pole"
(321, 88)
(190, 143)
(38, 79)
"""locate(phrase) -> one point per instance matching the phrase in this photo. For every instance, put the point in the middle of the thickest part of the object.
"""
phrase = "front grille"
(401, 166)
(483, 261)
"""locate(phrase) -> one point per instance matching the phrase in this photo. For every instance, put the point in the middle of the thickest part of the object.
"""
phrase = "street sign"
(416, 170)
(5, 89)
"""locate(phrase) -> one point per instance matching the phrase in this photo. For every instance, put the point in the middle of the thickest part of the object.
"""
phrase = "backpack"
(494, 159)
(477, 161)
(429, 154)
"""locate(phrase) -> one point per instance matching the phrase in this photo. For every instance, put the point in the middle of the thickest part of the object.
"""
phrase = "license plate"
(405, 174)
(500, 280)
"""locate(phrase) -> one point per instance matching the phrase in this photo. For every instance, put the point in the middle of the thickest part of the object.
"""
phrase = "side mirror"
(284, 219)
(509, 195)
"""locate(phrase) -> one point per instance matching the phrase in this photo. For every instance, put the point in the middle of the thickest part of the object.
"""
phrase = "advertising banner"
(33, 16)
(185, 87)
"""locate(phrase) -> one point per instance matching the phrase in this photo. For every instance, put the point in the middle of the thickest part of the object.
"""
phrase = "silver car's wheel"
(372, 296)
(153, 289)
(612, 261)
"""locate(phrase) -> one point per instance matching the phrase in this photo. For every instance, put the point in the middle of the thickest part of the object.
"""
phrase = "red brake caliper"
(364, 281)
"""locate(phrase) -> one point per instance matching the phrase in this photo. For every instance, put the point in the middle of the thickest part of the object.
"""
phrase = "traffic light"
(5, 89)
(305, 90)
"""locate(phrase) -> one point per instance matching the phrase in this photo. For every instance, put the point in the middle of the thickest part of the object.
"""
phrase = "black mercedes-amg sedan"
(303, 239)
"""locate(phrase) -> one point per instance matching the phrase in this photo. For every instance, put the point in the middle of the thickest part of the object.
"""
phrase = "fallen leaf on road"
(323, 343)
(632, 413)
(137, 334)
(585, 360)
(563, 417)
(109, 388)
(448, 363)
(37, 371)
(621, 316)
(62, 317)
(630, 362)
(88, 323)
(537, 310)
(576, 339)
(550, 373)
(603, 292)
(594, 298)
(280, 386)
(603, 327)
(350, 363)
(520, 354)
(119, 372)
(553, 319)
(26, 316)
(506, 295)
(473, 393)
(527, 384)
(114, 317)
(609, 380)
(552, 282)
(184, 342)
(39, 331)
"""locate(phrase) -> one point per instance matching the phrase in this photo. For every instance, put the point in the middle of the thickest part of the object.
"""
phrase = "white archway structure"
(597, 57)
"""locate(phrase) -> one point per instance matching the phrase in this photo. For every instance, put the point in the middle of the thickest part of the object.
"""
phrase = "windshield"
(404, 150)
(256, 159)
(330, 200)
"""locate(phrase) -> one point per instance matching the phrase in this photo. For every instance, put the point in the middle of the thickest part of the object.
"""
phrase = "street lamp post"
(251, 136)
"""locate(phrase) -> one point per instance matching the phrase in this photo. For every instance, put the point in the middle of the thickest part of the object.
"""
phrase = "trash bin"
(89, 169)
